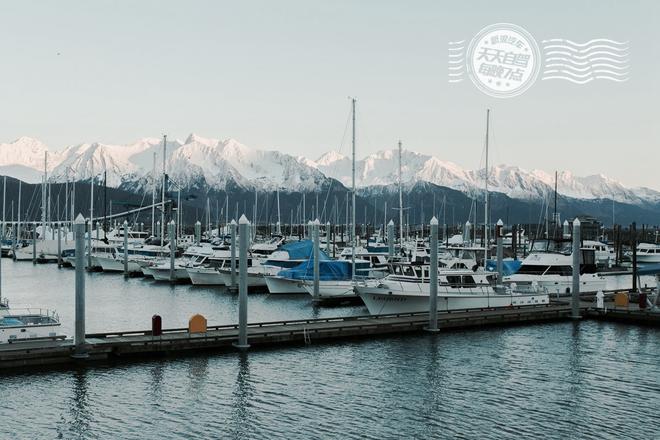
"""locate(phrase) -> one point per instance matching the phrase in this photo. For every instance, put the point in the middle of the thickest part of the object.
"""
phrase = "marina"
(329, 220)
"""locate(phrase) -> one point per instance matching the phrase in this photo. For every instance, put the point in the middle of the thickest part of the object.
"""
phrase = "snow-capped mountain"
(199, 162)
(381, 168)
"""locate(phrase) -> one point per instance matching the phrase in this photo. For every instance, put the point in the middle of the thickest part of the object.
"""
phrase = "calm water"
(591, 380)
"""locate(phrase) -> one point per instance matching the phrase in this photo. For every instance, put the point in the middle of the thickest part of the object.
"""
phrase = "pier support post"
(466, 232)
(633, 247)
(500, 251)
(390, 239)
(125, 249)
(198, 233)
(575, 291)
(433, 278)
(243, 233)
(314, 226)
(34, 244)
(59, 245)
(2, 238)
(232, 244)
(97, 231)
(157, 229)
(171, 227)
(79, 337)
(328, 237)
(89, 246)
(14, 244)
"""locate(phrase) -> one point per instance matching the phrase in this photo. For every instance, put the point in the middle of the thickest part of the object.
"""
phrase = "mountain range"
(222, 164)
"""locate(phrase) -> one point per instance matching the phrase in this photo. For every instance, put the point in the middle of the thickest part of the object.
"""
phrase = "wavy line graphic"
(588, 68)
(593, 60)
(580, 63)
(456, 61)
(588, 43)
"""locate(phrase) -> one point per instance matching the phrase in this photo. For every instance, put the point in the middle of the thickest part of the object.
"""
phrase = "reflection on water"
(242, 395)
(587, 380)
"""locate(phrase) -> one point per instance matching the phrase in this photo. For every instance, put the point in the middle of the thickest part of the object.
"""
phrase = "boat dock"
(180, 341)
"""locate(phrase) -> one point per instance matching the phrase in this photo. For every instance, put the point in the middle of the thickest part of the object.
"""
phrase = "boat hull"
(109, 264)
(281, 285)
(380, 301)
(253, 279)
(331, 290)
(205, 277)
(163, 273)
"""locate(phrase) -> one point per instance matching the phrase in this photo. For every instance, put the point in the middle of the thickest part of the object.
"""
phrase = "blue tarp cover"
(509, 267)
(329, 270)
(301, 250)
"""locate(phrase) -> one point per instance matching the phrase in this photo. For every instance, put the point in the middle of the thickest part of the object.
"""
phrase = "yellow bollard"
(197, 324)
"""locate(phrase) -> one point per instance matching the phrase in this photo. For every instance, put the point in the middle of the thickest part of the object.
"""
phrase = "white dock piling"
(500, 251)
(575, 291)
(433, 278)
(125, 249)
(390, 239)
(171, 228)
(314, 226)
(79, 337)
(59, 245)
(232, 244)
(243, 233)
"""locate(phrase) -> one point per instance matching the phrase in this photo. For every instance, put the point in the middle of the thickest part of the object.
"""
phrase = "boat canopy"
(302, 250)
(509, 267)
(329, 270)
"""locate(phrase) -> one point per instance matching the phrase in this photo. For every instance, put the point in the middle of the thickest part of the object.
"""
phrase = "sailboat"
(341, 286)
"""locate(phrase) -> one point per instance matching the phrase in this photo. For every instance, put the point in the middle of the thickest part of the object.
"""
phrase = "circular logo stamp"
(503, 60)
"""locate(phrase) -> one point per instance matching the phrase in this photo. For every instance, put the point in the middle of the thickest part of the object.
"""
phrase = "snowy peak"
(330, 157)
(207, 162)
(25, 151)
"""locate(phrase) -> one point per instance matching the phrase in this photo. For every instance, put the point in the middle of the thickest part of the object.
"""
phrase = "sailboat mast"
(554, 213)
(91, 201)
(4, 199)
(486, 191)
(162, 199)
(400, 201)
(153, 197)
(43, 196)
(18, 227)
(353, 241)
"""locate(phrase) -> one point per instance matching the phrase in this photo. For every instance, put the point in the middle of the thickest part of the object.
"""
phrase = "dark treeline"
(421, 202)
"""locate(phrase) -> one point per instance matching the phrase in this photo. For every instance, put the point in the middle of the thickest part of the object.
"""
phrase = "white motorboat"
(281, 285)
(205, 276)
(405, 292)
(194, 256)
(25, 324)
(648, 253)
(550, 268)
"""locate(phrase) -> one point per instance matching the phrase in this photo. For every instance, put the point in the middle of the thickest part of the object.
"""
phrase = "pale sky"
(276, 75)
